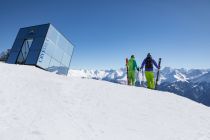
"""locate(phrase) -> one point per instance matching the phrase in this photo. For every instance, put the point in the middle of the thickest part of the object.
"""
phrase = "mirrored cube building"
(42, 46)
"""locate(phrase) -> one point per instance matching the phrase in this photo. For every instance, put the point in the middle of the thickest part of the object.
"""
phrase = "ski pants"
(150, 79)
(131, 77)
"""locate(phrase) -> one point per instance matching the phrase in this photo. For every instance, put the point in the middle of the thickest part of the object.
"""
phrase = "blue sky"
(105, 32)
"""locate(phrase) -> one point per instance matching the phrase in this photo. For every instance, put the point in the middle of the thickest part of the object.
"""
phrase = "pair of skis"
(158, 73)
(142, 82)
(140, 79)
(127, 70)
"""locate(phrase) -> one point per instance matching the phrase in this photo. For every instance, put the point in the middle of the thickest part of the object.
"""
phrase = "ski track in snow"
(37, 105)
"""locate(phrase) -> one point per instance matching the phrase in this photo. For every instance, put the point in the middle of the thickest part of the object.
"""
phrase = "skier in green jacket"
(148, 63)
(132, 67)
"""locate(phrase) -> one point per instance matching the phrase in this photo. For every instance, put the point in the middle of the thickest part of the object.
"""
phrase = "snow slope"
(38, 105)
(193, 84)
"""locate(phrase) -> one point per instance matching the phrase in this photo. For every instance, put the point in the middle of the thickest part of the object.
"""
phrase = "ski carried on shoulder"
(126, 61)
(158, 73)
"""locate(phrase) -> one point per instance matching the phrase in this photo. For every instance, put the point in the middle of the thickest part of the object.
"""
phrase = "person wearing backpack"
(148, 63)
(132, 67)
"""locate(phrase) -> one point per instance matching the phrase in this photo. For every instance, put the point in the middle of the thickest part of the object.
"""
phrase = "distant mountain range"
(193, 84)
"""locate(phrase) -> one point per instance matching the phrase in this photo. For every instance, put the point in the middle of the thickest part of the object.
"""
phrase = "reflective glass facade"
(44, 47)
(24, 51)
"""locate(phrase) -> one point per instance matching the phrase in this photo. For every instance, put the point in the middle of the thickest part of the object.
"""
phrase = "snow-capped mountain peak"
(180, 77)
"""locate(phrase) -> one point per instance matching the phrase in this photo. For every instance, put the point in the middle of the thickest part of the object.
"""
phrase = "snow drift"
(38, 105)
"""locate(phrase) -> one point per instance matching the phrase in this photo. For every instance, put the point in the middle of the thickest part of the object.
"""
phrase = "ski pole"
(142, 78)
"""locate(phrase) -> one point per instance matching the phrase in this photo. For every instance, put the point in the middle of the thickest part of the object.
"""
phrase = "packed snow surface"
(38, 105)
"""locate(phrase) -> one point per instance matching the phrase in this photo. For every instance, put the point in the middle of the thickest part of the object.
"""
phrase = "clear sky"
(105, 32)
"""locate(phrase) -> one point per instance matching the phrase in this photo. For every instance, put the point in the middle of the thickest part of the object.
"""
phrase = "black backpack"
(149, 63)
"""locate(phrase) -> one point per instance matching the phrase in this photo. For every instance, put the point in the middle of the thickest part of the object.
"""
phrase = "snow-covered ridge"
(167, 75)
(117, 76)
(38, 105)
